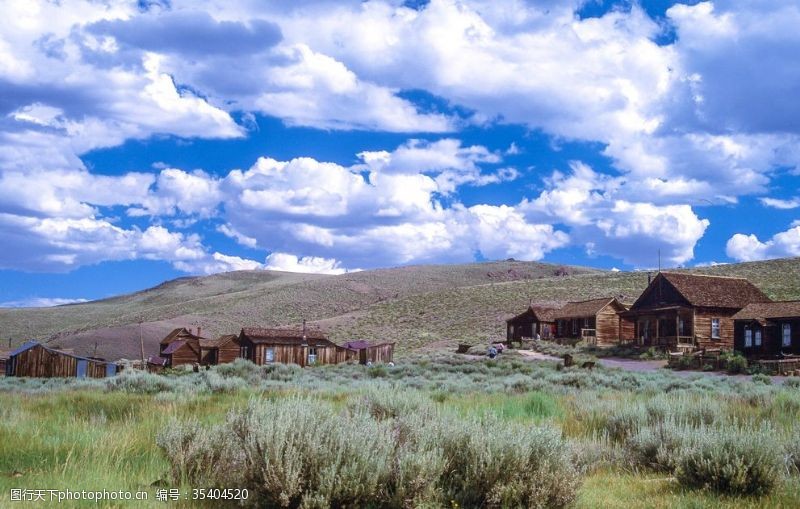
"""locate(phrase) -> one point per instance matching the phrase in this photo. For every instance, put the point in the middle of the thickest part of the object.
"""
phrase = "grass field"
(103, 434)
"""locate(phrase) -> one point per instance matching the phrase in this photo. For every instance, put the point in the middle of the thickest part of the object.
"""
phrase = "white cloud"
(747, 248)
(777, 203)
(40, 302)
(308, 264)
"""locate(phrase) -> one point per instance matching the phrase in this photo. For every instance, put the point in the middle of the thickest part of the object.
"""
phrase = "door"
(83, 366)
(111, 369)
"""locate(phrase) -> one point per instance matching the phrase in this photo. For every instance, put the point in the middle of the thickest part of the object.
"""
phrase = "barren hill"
(418, 306)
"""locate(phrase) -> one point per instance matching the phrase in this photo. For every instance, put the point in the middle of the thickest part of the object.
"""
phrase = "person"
(492, 352)
(538, 337)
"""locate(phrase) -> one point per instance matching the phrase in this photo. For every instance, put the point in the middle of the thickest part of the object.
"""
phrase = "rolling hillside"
(419, 306)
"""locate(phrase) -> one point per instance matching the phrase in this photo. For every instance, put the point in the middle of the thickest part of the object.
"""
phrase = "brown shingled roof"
(715, 291)
(583, 308)
(540, 313)
(764, 310)
(255, 333)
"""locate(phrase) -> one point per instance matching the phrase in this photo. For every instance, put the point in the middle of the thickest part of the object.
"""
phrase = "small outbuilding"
(596, 321)
(768, 329)
(180, 347)
(534, 320)
(36, 360)
(372, 353)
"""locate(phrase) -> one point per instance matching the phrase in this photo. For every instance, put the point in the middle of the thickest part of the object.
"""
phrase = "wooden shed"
(695, 310)
(373, 353)
(36, 360)
(768, 330)
(534, 320)
(596, 321)
(291, 346)
(180, 347)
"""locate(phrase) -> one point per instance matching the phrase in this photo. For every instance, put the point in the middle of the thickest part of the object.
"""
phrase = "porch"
(671, 327)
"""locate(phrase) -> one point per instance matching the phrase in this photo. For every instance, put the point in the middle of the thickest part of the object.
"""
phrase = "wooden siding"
(299, 354)
(187, 354)
(702, 328)
(228, 352)
(38, 361)
(627, 329)
(607, 326)
(209, 356)
(382, 353)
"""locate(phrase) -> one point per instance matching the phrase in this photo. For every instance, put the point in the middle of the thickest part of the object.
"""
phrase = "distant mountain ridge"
(426, 306)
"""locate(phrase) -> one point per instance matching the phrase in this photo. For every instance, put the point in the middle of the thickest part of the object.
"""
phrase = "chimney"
(198, 331)
(649, 278)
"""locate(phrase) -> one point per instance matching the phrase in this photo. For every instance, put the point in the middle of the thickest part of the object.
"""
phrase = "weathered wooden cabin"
(36, 360)
(534, 320)
(691, 310)
(222, 350)
(180, 347)
(596, 321)
(3, 358)
(303, 347)
(372, 353)
(767, 330)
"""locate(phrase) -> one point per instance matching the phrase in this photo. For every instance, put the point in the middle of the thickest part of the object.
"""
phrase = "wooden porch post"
(677, 326)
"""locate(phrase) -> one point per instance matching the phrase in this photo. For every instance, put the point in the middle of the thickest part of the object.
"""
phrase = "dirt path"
(640, 366)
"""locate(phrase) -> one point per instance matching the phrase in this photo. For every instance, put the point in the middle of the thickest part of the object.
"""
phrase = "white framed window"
(574, 327)
(748, 338)
(269, 354)
(312, 355)
(715, 328)
(244, 352)
(787, 335)
(681, 327)
(758, 337)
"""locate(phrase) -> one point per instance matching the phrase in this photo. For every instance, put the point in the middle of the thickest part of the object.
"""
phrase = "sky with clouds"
(146, 140)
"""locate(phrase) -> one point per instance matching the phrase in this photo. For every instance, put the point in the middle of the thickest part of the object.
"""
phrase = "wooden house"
(303, 347)
(180, 347)
(691, 309)
(372, 353)
(767, 329)
(3, 359)
(534, 320)
(597, 321)
(36, 360)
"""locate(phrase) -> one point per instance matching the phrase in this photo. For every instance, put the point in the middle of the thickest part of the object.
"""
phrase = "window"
(758, 337)
(244, 352)
(748, 338)
(574, 327)
(269, 355)
(681, 327)
(787, 335)
(312, 355)
(715, 328)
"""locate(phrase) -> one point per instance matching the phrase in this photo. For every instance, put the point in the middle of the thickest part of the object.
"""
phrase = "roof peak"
(701, 275)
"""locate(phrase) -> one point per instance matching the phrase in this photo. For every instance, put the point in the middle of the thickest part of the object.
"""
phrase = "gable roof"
(539, 313)
(584, 308)
(173, 347)
(357, 345)
(262, 334)
(714, 291)
(764, 310)
(180, 332)
(156, 360)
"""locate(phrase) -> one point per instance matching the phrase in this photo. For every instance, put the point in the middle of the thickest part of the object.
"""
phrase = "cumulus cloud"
(605, 221)
(745, 248)
(308, 264)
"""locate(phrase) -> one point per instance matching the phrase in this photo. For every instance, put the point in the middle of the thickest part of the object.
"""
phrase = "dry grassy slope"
(474, 314)
(224, 302)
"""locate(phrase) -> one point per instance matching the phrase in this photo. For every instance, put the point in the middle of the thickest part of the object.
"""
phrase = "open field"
(601, 439)
(418, 307)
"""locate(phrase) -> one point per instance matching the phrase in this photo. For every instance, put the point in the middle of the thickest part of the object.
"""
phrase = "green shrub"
(792, 383)
(385, 450)
(730, 460)
(140, 382)
(760, 378)
(735, 363)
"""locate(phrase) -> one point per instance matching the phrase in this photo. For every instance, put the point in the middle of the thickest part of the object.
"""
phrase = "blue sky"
(142, 141)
